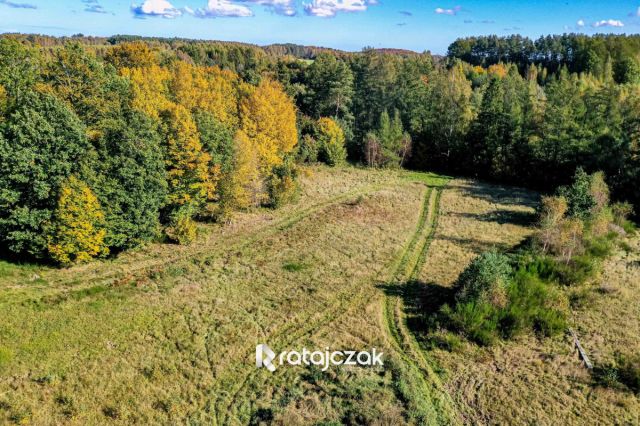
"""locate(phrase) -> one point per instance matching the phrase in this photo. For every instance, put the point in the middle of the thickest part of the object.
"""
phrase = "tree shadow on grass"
(514, 217)
(422, 303)
(14, 261)
(503, 195)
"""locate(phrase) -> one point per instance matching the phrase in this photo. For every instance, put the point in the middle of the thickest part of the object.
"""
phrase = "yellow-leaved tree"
(3, 99)
(268, 118)
(136, 54)
(150, 88)
(188, 166)
(331, 140)
(246, 186)
(206, 89)
(77, 233)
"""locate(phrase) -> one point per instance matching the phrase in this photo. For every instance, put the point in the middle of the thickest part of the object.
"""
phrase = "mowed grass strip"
(425, 398)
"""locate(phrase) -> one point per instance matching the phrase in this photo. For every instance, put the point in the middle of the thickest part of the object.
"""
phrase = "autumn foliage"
(78, 229)
(132, 143)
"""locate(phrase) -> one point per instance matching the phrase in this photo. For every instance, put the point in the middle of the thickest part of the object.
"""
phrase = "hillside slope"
(167, 334)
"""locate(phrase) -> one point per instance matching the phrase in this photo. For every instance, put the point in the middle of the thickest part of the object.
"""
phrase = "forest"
(146, 136)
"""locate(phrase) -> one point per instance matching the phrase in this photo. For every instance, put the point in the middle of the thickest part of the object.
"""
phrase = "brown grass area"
(529, 381)
(175, 343)
(475, 217)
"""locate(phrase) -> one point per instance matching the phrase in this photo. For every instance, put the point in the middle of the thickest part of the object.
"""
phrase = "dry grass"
(167, 334)
(531, 381)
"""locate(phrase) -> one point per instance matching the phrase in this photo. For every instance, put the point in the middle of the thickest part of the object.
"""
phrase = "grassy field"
(167, 334)
(530, 381)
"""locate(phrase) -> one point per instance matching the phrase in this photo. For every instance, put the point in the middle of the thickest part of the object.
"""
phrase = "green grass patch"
(622, 373)
(430, 179)
(6, 356)
(294, 266)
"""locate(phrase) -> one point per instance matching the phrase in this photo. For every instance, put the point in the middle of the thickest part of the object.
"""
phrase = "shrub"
(548, 269)
(308, 150)
(600, 248)
(578, 195)
(331, 141)
(599, 191)
(485, 279)
(621, 211)
(282, 184)
(78, 228)
(182, 228)
(624, 371)
(493, 301)
(533, 304)
(629, 371)
(476, 320)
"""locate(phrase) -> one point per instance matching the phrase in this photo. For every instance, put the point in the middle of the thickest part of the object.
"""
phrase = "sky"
(343, 24)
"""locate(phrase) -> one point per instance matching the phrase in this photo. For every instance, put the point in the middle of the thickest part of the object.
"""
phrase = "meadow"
(166, 334)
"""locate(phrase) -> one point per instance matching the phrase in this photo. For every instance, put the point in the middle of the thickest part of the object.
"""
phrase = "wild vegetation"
(112, 148)
(499, 295)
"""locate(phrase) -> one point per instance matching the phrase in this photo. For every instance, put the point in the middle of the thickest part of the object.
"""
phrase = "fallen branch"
(581, 351)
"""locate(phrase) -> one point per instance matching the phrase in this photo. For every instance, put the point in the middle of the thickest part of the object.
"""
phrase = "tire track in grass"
(425, 397)
(155, 266)
(348, 302)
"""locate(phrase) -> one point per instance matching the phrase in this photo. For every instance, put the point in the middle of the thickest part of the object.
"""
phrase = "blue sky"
(345, 24)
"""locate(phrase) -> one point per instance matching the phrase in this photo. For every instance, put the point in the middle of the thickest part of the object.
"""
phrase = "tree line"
(526, 127)
(172, 130)
(101, 154)
(578, 52)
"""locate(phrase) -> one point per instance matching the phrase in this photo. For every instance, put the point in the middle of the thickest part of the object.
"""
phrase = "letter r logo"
(264, 356)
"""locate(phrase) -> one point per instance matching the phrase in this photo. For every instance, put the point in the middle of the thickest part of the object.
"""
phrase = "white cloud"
(608, 23)
(580, 23)
(450, 12)
(156, 8)
(223, 8)
(329, 8)
(281, 7)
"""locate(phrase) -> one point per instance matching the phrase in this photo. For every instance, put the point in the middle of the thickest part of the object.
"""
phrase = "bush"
(600, 248)
(308, 150)
(623, 372)
(485, 279)
(182, 228)
(629, 370)
(331, 141)
(577, 271)
(621, 211)
(493, 301)
(476, 320)
(533, 305)
(282, 185)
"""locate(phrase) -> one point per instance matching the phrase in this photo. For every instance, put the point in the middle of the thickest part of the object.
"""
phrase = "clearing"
(167, 334)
